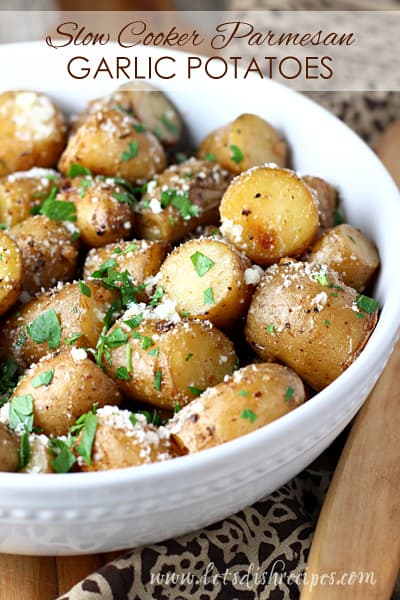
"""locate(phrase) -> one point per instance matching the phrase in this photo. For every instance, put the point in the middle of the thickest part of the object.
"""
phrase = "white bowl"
(97, 512)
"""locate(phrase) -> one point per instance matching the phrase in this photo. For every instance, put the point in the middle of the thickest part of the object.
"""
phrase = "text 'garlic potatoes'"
(269, 213)
(305, 317)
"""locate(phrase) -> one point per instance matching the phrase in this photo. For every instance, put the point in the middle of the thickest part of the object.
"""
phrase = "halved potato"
(251, 398)
(269, 213)
(304, 316)
(23, 191)
(107, 143)
(180, 199)
(48, 252)
(9, 449)
(124, 439)
(73, 384)
(209, 279)
(246, 142)
(163, 362)
(32, 131)
(11, 272)
(80, 320)
(348, 252)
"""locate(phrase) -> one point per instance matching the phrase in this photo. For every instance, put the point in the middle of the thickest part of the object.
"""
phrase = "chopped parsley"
(24, 451)
(195, 390)
(85, 184)
(157, 296)
(367, 304)
(154, 352)
(327, 322)
(133, 419)
(139, 127)
(208, 296)
(236, 154)
(147, 342)
(125, 198)
(103, 268)
(71, 340)
(77, 170)
(44, 378)
(89, 426)
(64, 457)
(180, 157)
(181, 201)
(210, 156)
(270, 329)
(188, 356)
(201, 263)
(157, 380)
(132, 152)
(249, 415)
(177, 407)
(120, 108)
(338, 218)
(8, 376)
(153, 419)
(289, 393)
(21, 412)
(122, 373)
(129, 365)
(352, 239)
(323, 279)
(169, 125)
(46, 328)
(75, 235)
(116, 338)
(243, 393)
(59, 210)
(84, 289)
(135, 322)
(129, 248)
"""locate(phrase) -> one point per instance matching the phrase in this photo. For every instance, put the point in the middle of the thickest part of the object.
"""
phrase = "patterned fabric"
(246, 556)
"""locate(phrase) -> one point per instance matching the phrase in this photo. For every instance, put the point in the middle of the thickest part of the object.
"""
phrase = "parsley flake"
(208, 296)
(188, 356)
(270, 329)
(59, 210)
(201, 263)
(249, 415)
(323, 279)
(169, 125)
(46, 328)
(132, 152)
(243, 393)
(76, 170)
(116, 338)
(64, 457)
(84, 289)
(367, 304)
(44, 378)
(21, 412)
(210, 156)
(181, 201)
(24, 451)
(157, 380)
(71, 340)
(289, 393)
(237, 155)
(122, 373)
(195, 390)
(88, 434)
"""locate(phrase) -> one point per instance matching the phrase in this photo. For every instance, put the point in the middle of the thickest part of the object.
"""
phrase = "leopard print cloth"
(253, 548)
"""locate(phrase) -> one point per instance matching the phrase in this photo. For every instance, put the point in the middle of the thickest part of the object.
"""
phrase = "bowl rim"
(377, 348)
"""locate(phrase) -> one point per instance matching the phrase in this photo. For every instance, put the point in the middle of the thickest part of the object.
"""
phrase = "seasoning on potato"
(251, 398)
(32, 131)
(269, 213)
(209, 279)
(125, 439)
(180, 199)
(49, 252)
(348, 252)
(23, 192)
(109, 142)
(244, 143)
(304, 316)
(11, 272)
(156, 357)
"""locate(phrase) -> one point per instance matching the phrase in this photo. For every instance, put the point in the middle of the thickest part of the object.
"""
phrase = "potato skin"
(118, 443)
(49, 255)
(269, 213)
(11, 272)
(9, 450)
(76, 312)
(187, 352)
(203, 181)
(32, 131)
(231, 294)
(56, 410)
(22, 191)
(140, 257)
(263, 391)
(258, 141)
(316, 329)
(327, 199)
(101, 140)
(348, 252)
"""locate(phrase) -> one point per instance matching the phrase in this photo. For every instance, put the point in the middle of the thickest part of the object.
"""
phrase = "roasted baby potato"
(251, 398)
(327, 199)
(48, 252)
(141, 258)
(110, 143)
(64, 386)
(348, 252)
(9, 449)
(246, 142)
(32, 131)
(209, 279)
(21, 192)
(11, 272)
(180, 199)
(69, 312)
(124, 439)
(163, 362)
(151, 108)
(305, 317)
(269, 213)
(103, 210)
